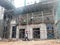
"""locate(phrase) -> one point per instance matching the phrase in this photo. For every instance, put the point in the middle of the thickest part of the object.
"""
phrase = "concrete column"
(17, 33)
(43, 31)
(30, 36)
(10, 31)
(30, 33)
(42, 16)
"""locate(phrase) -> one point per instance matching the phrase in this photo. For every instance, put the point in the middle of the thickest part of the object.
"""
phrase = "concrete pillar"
(27, 30)
(42, 16)
(17, 33)
(43, 31)
(10, 31)
(30, 33)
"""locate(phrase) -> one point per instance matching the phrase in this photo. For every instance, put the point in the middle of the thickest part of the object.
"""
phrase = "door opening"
(36, 33)
(5, 32)
(14, 32)
(22, 33)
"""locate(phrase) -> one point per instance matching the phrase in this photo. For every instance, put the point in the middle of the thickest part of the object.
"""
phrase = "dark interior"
(21, 33)
(14, 32)
(36, 33)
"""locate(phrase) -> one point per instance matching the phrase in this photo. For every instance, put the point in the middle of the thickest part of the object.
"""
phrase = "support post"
(42, 17)
(26, 26)
(17, 33)
(10, 32)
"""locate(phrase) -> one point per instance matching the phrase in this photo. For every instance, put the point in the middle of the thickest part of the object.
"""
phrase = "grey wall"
(1, 28)
(1, 20)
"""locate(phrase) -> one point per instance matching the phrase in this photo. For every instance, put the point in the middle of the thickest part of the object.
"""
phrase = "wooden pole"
(42, 17)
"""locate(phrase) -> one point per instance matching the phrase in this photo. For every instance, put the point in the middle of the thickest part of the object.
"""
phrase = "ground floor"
(34, 31)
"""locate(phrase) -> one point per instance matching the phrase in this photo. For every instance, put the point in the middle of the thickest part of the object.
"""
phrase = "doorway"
(22, 33)
(5, 32)
(14, 32)
(36, 33)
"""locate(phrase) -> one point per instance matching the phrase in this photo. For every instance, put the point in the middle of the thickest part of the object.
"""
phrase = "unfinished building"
(38, 20)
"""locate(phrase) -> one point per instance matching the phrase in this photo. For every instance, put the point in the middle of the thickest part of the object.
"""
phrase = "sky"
(20, 3)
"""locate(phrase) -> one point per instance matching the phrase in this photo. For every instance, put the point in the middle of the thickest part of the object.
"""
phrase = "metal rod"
(32, 18)
(42, 16)
(27, 21)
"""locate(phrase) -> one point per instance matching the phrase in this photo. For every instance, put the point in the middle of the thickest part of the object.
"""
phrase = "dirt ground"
(40, 42)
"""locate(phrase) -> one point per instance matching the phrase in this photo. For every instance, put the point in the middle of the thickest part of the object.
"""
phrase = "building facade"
(38, 21)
